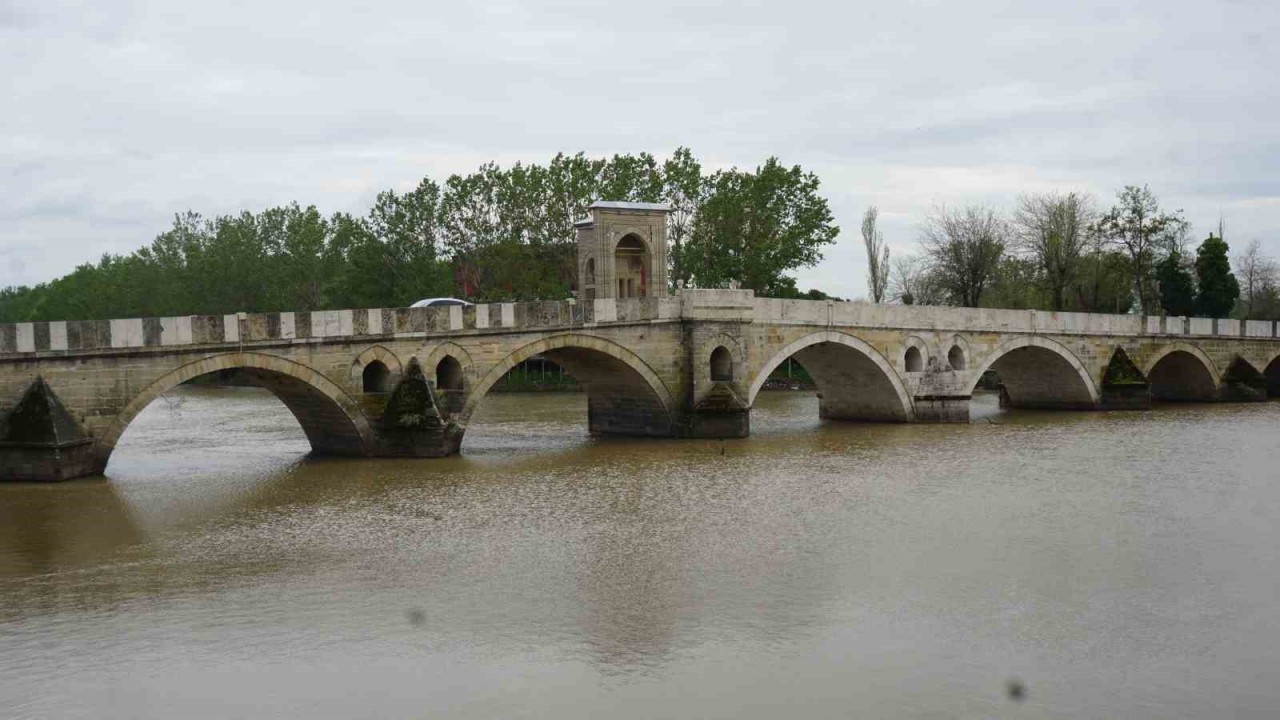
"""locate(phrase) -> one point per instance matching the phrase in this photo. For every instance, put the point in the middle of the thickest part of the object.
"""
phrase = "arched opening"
(331, 420)
(375, 378)
(721, 365)
(623, 395)
(449, 384)
(913, 360)
(955, 357)
(853, 381)
(1272, 374)
(1034, 376)
(631, 267)
(589, 279)
(448, 374)
(1180, 376)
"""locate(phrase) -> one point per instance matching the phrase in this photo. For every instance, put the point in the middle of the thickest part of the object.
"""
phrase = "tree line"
(1061, 251)
(496, 234)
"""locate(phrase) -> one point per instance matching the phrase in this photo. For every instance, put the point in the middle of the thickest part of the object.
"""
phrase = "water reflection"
(56, 528)
(829, 566)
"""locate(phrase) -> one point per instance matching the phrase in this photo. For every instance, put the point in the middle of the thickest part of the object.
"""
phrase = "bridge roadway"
(405, 382)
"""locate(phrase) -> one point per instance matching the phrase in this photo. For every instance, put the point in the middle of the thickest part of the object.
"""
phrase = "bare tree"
(964, 248)
(1137, 225)
(1054, 230)
(877, 255)
(915, 283)
(1258, 275)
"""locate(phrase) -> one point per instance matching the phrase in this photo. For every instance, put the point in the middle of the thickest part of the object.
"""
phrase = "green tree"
(683, 189)
(754, 227)
(1017, 283)
(1177, 290)
(1138, 226)
(634, 178)
(1103, 284)
(498, 233)
(1216, 287)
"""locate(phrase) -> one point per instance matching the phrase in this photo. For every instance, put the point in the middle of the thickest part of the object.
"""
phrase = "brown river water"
(1116, 565)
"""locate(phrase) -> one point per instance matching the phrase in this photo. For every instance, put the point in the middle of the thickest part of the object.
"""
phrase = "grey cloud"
(120, 114)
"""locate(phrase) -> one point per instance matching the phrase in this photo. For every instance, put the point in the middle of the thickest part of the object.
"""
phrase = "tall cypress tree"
(1218, 288)
(1177, 293)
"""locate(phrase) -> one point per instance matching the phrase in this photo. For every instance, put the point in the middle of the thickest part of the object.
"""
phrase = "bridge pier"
(720, 414)
(42, 442)
(415, 420)
(942, 408)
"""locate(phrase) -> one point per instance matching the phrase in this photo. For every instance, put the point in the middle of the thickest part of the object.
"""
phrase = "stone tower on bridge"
(622, 251)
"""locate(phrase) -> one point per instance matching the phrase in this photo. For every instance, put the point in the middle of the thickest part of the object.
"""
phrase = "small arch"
(855, 380)
(375, 378)
(1181, 372)
(912, 360)
(721, 365)
(955, 357)
(389, 362)
(1040, 373)
(449, 374)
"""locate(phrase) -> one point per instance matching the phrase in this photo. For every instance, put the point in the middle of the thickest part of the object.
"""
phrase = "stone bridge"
(405, 382)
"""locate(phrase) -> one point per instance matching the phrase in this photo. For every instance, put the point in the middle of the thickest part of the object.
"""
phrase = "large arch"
(1040, 373)
(855, 380)
(624, 395)
(332, 421)
(1181, 372)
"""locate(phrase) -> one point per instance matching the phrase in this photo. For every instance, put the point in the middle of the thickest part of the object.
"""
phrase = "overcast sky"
(118, 114)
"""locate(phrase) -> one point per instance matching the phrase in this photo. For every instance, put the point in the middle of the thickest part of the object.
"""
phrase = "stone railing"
(917, 317)
(75, 336)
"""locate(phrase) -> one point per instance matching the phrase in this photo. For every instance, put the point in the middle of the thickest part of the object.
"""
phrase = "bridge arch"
(331, 419)
(624, 395)
(1182, 372)
(855, 380)
(1040, 373)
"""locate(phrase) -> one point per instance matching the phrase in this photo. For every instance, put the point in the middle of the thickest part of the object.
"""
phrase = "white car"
(440, 302)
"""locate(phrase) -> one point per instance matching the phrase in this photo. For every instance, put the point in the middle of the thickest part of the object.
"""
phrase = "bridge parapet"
(88, 336)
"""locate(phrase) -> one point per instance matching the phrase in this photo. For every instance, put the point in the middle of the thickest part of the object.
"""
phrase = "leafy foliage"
(1138, 226)
(493, 234)
(756, 226)
(1217, 287)
(1177, 290)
